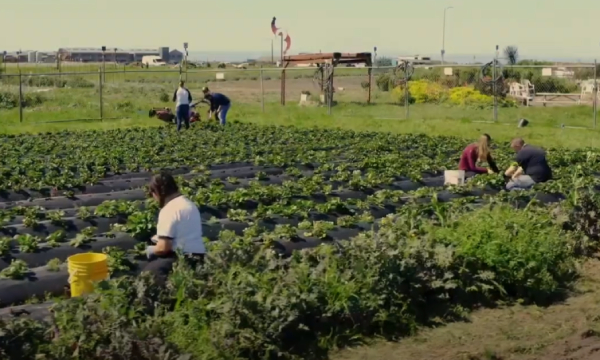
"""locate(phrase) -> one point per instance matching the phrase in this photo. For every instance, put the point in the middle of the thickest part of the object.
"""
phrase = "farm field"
(127, 96)
(319, 239)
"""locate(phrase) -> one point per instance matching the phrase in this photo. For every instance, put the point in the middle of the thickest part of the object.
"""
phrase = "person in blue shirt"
(219, 104)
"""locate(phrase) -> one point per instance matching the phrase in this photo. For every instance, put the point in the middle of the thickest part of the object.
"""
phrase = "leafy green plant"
(54, 265)
(17, 270)
(84, 213)
(117, 259)
(141, 224)
(5, 243)
(28, 243)
(56, 217)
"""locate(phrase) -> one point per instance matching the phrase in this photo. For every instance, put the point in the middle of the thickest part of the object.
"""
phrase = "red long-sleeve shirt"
(468, 161)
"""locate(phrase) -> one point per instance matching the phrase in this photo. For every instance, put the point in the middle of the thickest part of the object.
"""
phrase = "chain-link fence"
(490, 92)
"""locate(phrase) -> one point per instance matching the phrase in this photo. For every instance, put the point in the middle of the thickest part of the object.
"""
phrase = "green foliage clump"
(10, 100)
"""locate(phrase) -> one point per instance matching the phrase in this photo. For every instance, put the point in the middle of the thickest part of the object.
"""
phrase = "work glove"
(150, 251)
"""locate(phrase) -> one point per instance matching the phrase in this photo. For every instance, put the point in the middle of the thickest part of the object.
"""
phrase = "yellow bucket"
(84, 270)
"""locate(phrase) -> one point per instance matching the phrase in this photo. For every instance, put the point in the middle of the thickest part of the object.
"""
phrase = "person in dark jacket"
(478, 152)
(219, 104)
(530, 168)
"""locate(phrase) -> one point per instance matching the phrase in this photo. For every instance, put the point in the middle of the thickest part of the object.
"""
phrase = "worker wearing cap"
(219, 104)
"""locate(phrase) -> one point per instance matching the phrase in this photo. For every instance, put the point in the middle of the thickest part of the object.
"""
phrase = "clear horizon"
(472, 27)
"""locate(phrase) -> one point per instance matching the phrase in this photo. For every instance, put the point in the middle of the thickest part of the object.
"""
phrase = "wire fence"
(488, 92)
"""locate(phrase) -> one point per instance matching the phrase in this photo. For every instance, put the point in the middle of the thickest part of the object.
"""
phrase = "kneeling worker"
(179, 228)
(530, 167)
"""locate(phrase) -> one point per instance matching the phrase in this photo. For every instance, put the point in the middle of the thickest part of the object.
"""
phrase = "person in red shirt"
(478, 152)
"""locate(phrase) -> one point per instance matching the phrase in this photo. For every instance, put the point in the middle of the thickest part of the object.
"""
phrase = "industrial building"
(117, 55)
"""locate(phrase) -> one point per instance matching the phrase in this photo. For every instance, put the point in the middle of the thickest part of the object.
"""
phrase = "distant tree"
(511, 53)
(383, 61)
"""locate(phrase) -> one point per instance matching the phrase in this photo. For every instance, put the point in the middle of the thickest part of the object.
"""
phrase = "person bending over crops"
(530, 166)
(478, 152)
(219, 104)
(179, 228)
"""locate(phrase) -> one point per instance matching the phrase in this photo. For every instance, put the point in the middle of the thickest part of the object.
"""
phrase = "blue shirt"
(217, 100)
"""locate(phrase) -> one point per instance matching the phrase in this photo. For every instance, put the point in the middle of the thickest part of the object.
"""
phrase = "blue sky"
(538, 27)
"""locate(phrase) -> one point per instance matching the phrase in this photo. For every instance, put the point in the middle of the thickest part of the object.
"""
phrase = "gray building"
(111, 54)
(175, 57)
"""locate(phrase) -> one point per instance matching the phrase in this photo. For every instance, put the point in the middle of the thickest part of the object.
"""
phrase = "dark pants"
(162, 266)
(183, 116)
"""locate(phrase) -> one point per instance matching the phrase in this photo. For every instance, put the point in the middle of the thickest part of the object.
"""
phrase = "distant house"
(175, 56)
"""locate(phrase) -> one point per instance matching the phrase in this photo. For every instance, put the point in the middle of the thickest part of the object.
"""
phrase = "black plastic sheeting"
(42, 282)
(45, 254)
(72, 226)
(91, 200)
(116, 185)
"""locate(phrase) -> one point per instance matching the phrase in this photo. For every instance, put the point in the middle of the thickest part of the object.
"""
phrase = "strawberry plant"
(5, 243)
(57, 237)
(17, 270)
(27, 243)
(84, 213)
(141, 224)
(54, 265)
(56, 217)
(117, 259)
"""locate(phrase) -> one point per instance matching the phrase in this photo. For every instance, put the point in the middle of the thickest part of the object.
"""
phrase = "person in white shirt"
(179, 228)
(182, 98)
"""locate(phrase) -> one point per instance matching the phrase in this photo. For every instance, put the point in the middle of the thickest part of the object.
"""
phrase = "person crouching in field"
(478, 152)
(179, 228)
(530, 167)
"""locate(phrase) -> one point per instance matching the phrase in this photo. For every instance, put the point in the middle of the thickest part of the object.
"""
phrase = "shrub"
(427, 92)
(10, 100)
(164, 97)
(398, 96)
(384, 82)
(364, 85)
(57, 81)
(530, 255)
(467, 96)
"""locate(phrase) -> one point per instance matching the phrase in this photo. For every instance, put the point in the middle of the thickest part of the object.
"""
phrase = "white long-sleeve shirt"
(182, 96)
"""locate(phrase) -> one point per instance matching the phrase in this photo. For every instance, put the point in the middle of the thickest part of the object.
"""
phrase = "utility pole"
(444, 34)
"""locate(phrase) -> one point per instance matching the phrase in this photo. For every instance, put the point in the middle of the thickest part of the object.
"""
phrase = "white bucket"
(454, 177)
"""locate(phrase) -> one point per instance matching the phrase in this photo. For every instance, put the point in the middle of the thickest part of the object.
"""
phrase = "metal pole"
(595, 92)
(100, 92)
(406, 93)
(330, 88)
(103, 67)
(495, 86)
(370, 82)
(444, 34)
(262, 90)
(20, 97)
